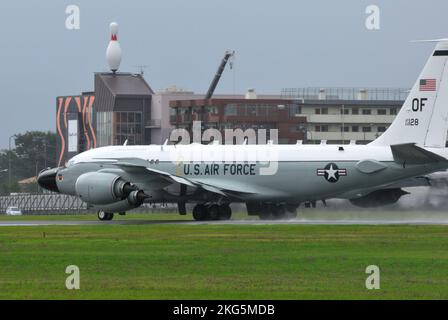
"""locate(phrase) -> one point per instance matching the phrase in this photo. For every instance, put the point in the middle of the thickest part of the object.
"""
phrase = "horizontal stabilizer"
(409, 153)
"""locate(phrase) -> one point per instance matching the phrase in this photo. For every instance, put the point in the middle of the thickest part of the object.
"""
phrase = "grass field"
(223, 261)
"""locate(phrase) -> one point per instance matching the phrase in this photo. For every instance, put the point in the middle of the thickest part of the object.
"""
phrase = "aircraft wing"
(213, 186)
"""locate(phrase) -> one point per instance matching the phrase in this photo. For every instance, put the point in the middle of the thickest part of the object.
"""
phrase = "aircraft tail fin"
(423, 119)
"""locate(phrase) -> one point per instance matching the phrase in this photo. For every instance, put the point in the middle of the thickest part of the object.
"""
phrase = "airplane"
(115, 179)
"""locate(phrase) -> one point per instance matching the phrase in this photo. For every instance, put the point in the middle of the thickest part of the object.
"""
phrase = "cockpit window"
(69, 163)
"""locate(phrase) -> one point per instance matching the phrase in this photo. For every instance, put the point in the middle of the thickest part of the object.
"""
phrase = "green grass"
(224, 261)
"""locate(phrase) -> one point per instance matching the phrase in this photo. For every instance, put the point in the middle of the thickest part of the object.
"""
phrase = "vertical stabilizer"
(423, 117)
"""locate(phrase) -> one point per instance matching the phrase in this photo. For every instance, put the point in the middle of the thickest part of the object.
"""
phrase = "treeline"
(31, 152)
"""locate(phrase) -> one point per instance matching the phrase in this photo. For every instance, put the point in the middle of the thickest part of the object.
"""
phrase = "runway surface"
(22, 223)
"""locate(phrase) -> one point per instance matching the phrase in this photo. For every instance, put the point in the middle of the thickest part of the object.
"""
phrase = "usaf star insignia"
(332, 173)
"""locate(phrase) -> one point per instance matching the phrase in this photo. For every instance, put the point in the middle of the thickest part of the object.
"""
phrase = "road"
(12, 223)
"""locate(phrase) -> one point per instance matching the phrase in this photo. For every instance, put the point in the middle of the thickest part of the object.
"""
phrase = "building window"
(317, 111)
(345, 129)
(211, 110)
(294, 110)
(381, 129)
(355, 128)
(324, 110)
(104, 128)
(366, 112)
(355, 110)
(366, 129)
(128, 126)
(317, 129)
(230, 110)
(345, 111)
(393, 111)
(252, 111)
(382, 112)
(324, 128)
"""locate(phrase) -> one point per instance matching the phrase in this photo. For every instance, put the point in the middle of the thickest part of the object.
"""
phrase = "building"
(123, 109)
(333, 115)
(75, 125)
(240, 113)
(341, 115)
(118, 109)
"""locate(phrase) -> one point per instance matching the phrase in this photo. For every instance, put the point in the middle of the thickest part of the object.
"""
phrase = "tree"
(34, 151)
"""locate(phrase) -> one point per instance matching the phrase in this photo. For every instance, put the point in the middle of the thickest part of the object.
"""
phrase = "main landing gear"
(278, 212)
(203, 212)
(105, 216)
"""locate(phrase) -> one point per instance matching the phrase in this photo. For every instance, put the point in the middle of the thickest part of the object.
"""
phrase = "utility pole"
(9, 162)
(45, 154)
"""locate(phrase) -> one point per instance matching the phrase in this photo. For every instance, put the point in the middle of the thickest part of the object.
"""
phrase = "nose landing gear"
(105, 216)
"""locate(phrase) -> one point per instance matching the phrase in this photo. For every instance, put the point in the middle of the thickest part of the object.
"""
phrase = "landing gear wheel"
(105, 216)
(291, 214)
(225, 212)
(291, 211)
(266, 216)
(279, 212)
(214, 212)
(200, 212)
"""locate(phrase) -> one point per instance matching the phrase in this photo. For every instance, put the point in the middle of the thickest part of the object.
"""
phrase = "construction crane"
(218, 74)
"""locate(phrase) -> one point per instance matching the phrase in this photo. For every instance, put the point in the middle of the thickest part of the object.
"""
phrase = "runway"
(30, 223)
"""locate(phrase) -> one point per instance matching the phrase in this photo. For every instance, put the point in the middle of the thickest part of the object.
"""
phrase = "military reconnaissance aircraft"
(272, 180)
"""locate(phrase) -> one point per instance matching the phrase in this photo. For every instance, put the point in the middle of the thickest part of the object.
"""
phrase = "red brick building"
(221, 114)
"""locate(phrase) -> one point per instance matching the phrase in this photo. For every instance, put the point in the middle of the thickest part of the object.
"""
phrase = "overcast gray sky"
(281, 43)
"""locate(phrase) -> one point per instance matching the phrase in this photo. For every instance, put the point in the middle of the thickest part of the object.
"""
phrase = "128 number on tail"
(411, 122)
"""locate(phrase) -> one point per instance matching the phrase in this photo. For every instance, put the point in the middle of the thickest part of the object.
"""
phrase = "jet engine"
(134, 200)
(379, 198)
(102, 188)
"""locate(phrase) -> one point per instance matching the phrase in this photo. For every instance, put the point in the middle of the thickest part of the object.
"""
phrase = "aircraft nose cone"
(47, 179)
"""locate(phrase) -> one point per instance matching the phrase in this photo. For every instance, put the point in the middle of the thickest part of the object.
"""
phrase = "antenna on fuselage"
(164, 144)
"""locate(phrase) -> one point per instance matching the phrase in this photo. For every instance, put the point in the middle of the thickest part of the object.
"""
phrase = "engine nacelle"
(134, 200)
(100, 188)
(379, 198)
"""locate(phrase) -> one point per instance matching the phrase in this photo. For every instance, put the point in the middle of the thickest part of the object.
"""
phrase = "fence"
(385, 94)
(44, 203)
(55, 203)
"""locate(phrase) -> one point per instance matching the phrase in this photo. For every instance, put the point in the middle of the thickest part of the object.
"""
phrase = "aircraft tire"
(213, 212)
(225, 212)
(291, 214)
(279, 212)
(200, 212)
(291, 211)
(105, 216)
(266, 216)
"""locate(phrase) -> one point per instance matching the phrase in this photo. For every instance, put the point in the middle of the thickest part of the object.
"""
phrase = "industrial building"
(311, 115)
